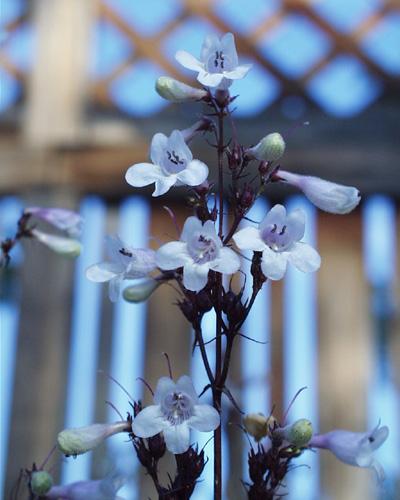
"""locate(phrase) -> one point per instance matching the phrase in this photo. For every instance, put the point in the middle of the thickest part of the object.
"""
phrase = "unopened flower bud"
(270, 148)
(297, 434)
(140, 292)
(41, 482)
(76, 441)
(176, 91)
(67, 247)
(326, 195)
(203, 125)
(256, 424)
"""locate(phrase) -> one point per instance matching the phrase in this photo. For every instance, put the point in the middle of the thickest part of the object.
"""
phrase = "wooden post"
(57, 86)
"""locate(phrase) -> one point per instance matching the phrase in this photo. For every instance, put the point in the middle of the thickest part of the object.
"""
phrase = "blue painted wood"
(300, 352)
(10, 211)
(86, 316)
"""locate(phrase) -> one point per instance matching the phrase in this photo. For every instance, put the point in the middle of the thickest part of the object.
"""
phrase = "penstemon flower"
(126, 263)
(278, 238)
(199, 250)
(101, 489)
(218, 64)
(63, 219)
(67, 247)
(175, 411)
(173, 163)
(326, 195)
(354, 448)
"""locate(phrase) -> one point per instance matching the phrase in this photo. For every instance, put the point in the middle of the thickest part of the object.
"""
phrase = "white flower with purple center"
(354, 448)
(218, 64)
(173, 163)
(278, 238)
(199, 250)
(175, 412)
(125, 263)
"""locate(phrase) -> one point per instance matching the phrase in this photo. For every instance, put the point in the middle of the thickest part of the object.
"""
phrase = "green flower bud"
(67, 247)
(41, 482)
(270, 148)
(176, 91)
(256, 424)
(297, 434)
(141, 291)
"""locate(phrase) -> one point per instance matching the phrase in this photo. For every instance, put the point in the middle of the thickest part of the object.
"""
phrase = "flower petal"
(185, 384)
(192, 224)
(176, 142)
(273, 264)
(172, 255)
(177, 438)
(228, 262)
(210, 79)
(238, 73)
(188, 61)
(210, 44)
(229, 48)
(114, 287)
(143, 174)
(249, 238)
(164, 385)
(163, 184)
(205, 418)
(296, 223)
(304, 257)
(104, 271)
(194, 174)
(149, 422)
(277, 215)
(379, 470)
(195, 276)
(158, 146)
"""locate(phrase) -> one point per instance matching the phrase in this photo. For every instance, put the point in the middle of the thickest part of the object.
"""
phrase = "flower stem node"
(298, 434)
(76, 441)
(41, 482)
(140, 292)
(270, 148)
(176, 91)
(256, 424)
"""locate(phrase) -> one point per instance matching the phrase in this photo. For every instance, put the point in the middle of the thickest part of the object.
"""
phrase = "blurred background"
(78, 107)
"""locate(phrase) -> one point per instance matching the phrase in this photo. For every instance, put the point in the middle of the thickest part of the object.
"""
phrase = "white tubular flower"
(199, 250)
(354, 448)
(101, 489)
(173, 163)
(328, 196)
(63, 219)
(79, 440)
(218, 64)
(175, 412)
(125, 263)
(176, 91)
(278, 238)
(270, 148)
(67, 247)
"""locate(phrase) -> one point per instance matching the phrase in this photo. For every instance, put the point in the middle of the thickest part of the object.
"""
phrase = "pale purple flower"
(175, 412)
(278, 238)
(63, 219)
(68, 247)
(218, 64)
(79, 440)
(199, 250)
(125, 263)
(172, 163)
(101, 489)
(354, 448)
(326, 195)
